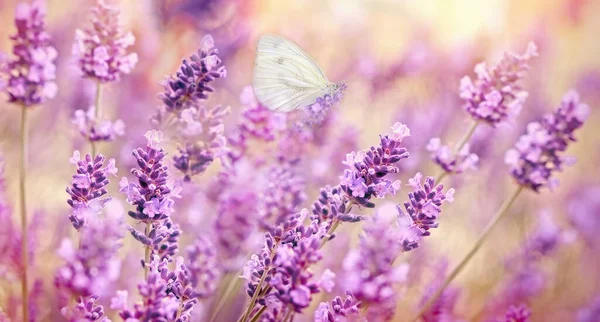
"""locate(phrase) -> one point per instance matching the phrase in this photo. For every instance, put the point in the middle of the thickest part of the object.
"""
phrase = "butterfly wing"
(285, 76)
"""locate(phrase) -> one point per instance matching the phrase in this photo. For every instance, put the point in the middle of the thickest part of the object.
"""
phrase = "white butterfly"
(286, 77)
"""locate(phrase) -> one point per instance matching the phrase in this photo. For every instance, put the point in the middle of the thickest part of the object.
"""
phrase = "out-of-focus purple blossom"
(316, 112)
(443, 307)
(443, 156)
(203, 267)
(190, 84)
(334, 147)
(28, 78)
(365, 177)
(91, 268)
(88, 186)
(101, 50)
(583, 208)
(201, 139)
(370, 272)
(338, 310)
(97, 130)
(590, 313)
(537, 154)
(496, 97)
(423, 205)
(519, 313)
(166, 295)
(283, 195)
(85, 309)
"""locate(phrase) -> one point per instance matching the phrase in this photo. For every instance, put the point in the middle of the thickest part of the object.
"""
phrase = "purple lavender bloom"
(203, 267)
(583, 209)
(442, 155)
(496, 97)
(316, 112)
(365, 177)
(200, 134)
(283, 195)
(97, 130)
(94, 265)
(28, 79)
(537, 154)
(424, 203)
(86, 309)
(443, 307)
(338, 309)
(370, 272)
(590, 313)
(519, 313)
(101, 50)
(191, 83)
(88, 186)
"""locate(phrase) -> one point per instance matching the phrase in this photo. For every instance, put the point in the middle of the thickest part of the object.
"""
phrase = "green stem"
(258, 314)
(96, 116)
(490, 226)
(23, 202)
(147, 251)
(258, 289)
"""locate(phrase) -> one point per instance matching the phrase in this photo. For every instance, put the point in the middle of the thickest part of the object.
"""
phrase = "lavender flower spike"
(95, 129)
(191, 83)
(442, 155)
(537, 154)
(101, 51)
(28, 79)
(88, 186)
(338, 309)
(516, 314)
(496, 96)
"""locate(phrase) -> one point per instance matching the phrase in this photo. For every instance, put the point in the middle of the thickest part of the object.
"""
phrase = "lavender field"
(448, 173)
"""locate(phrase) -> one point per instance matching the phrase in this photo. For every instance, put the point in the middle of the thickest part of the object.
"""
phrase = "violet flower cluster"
(583, 208)
(152, 195)
(315, 113)
(203, 267)
(519, 313)
(88, 187)
(190, 84)
(101, 50)
(28, 78)
(338, 309)
(590, 313)
(496, 96)
(284, 193)
(444, 157)
(94, 129)
(365, 177)
(538, 153)
(90, 269)
(201, 138)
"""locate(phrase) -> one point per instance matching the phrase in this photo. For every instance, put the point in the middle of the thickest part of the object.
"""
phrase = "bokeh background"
(402, 61)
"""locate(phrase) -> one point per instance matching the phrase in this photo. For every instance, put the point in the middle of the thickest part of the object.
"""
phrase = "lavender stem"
(96, 115)
(23, 201)
(147, 251)
(257, 292)
(503, 210)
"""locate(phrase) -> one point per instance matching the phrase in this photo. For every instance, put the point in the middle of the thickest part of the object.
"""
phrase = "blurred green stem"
(490, 226)
(96, 117)
(23, 203)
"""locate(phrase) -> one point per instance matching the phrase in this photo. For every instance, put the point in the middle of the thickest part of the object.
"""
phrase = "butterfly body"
(286, 77)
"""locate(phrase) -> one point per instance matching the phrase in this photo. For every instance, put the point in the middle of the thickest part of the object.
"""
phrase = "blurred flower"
(590, 313)
(191, 84)
(370, 271)
(97, 130)
(86, 309)
(443, 308)
(203, 267)
(442, 155)
(536, 154)
(88, 186)
(338, 309)
(583, 208)
(93, 266)
(316, 112)
(201, 139)
(28, 79)
(282, 197)
(495, 96)
(101, 50)
(516, 314)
